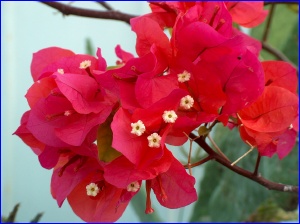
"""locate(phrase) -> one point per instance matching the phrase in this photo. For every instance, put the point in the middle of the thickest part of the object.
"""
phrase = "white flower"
(92, 189)
(134, 186)
(169, 116)
(85, 64)
(184, 76)
(67, 113)
(187, 102)
(154, 140)
(60, 71)
(138, 128)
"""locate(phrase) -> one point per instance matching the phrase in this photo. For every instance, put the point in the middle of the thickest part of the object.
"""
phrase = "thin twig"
(190, 153)
(213, 124)
(267, 29)
(278, 54)
(257, 165)
(70, 10)
(202, 161)
(235, 162)
(217, 147)
(105, 5)
(256, 178)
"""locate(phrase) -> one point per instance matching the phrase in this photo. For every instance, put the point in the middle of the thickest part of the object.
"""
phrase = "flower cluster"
(104, 131)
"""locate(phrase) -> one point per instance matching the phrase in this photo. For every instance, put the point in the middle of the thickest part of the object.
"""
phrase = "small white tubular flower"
(133, 187)
(154, 140)
(85, 64)
(92, 189)
(169, 116)
(67, 113)
(187, 102)
(138, 128)
(184, 76)
(60, 71)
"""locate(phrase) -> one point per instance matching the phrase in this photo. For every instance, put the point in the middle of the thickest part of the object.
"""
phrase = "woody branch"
(71, 10)
(253, 176)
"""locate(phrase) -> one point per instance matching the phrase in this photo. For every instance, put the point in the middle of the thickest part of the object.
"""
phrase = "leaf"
(293, 7)
(12, 215)
(269, 211)
(106, 152)
(89, 48)
(280, 33)
(37, 218)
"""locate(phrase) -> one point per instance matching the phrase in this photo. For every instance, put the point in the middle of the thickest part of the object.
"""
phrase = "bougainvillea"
(105, 130)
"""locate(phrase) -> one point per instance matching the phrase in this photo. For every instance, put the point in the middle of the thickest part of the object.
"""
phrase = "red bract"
(107, 206)
(141, 81)
(174, 188)
(68, 105)
(239, 71)
(280, 73)
(121, 172)
(27, 137)
(274, 111)
(133, 144)
(123, 55)
(268, 122)
(145, 28)
(102, 202)
(270, 143)
(247, 14)
(69, 172)
(44, 57)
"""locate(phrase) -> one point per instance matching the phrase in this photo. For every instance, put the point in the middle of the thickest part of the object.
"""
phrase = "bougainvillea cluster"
(105, 130)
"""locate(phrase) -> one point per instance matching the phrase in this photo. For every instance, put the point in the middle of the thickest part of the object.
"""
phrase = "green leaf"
(269, 211)
(293, 7)
(37, 218)
(106, 153)
(282, 28)
(13, 214)
(89, 48)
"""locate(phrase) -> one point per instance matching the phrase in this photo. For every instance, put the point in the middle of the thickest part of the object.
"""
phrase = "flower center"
(154, 140)
(169, 116)
(138, 128)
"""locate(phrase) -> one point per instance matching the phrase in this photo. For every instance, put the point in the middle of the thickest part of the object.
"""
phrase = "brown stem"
(213, 124)
(202, 161)
(257, 178)
(257, 165)
(105, 5)
(278, 54)
(267, 29)
(70, 10)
